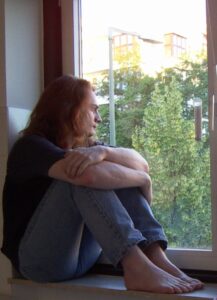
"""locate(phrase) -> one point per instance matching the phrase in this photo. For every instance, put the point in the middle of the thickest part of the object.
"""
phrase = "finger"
(72, 164)
(70, 160)
(73, 169)
(83, 166)
(78, 161)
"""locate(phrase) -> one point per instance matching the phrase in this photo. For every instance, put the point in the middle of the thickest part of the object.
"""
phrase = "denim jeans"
(72, 225)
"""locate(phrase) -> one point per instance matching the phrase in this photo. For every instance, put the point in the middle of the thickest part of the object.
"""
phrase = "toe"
(177, 289)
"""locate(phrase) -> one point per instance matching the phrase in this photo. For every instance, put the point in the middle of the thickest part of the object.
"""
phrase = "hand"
(146, 189)
(77, 160)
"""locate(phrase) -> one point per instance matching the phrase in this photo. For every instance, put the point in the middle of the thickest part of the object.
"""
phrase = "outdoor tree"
(179, 168)
(191, 74)
(153, 115)
(129, 105)
(132, 89)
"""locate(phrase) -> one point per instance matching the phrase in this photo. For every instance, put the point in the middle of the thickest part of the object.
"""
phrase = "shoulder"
(35, 146)
(32, 156)
(33, 142)
(27, 140)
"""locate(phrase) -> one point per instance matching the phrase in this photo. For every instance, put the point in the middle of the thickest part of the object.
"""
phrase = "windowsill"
(106, 268)
(113, 286)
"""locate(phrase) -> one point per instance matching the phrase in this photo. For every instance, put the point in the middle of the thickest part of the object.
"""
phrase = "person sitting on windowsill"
(68, 197)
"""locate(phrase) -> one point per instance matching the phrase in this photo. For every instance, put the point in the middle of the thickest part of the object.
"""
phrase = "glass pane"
(157, 59)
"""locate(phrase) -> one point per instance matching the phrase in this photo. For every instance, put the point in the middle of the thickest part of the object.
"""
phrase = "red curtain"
(52, 40)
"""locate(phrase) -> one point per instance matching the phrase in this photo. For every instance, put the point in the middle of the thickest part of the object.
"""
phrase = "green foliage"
(179, 169)
(192, 79)
(130, 58)
(153, 115)
(103, 128)
(133, 92)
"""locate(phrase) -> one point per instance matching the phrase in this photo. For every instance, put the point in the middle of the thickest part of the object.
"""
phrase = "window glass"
(159, 67)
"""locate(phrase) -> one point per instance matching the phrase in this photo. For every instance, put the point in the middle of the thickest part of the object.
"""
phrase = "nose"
(98, 118)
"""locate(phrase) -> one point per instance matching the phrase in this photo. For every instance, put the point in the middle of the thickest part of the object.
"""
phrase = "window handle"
(212, 121)
(198, 118)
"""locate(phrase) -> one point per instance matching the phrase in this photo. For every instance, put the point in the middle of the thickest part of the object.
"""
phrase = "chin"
(91, 134)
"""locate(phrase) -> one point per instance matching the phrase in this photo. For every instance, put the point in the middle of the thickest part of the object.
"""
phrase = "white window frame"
(196, 259)
(71, 37)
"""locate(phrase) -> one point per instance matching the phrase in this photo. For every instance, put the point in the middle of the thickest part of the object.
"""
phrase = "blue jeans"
(72, 225)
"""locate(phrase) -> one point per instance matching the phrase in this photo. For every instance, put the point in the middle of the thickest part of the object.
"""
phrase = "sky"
(150, 18)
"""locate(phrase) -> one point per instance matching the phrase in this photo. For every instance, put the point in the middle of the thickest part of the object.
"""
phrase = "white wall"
(3, 134)
(23, 52)
(20, 79)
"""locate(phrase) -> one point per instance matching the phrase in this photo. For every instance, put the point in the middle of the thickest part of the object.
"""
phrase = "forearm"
(104, 175)
(126, 157)
(108, 175)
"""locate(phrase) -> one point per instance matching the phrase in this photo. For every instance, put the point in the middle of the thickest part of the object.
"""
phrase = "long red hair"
(58, 112)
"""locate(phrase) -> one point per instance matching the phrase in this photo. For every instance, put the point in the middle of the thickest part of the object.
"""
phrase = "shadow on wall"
(17, 120)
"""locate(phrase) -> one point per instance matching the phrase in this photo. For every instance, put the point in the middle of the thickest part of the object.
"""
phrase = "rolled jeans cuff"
(159, 238)
(119, 254)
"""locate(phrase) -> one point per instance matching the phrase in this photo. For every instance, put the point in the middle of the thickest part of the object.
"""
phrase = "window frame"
(195, 259)
(71, 37)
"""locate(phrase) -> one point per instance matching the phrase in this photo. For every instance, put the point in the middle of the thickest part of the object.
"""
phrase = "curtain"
(212, 42)
(211, 6)
(52, 40)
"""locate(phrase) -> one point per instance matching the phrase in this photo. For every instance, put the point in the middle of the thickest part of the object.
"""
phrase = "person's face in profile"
(92, 117)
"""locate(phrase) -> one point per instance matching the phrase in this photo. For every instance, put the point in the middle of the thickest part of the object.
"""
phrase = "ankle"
(134, 260)
(154, 249)
(133, 255)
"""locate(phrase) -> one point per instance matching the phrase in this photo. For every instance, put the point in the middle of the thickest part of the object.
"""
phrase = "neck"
(78, 142)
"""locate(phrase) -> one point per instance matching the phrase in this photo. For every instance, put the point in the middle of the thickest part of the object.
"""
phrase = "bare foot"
(156, 254)
(142, 275)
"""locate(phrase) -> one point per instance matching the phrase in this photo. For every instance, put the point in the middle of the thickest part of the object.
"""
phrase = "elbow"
(146, 167)
(141, 162)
